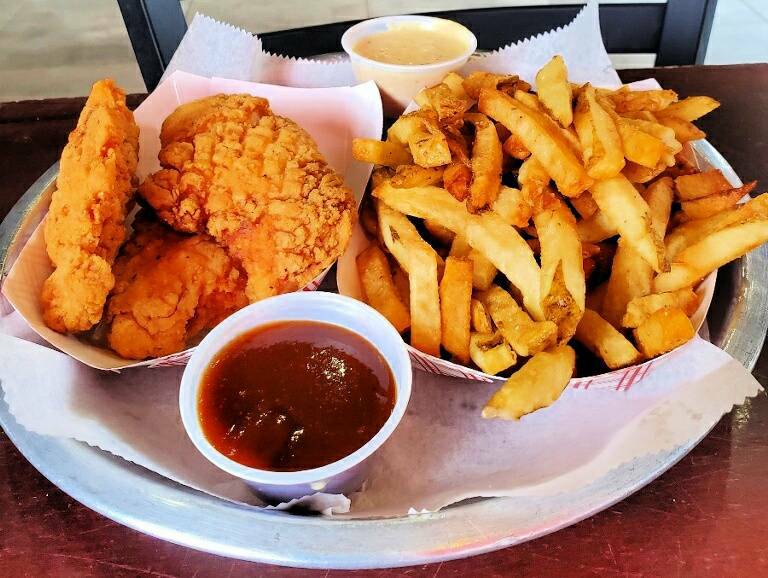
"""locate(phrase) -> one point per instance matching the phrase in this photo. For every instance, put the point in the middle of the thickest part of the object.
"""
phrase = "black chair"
(677, 32)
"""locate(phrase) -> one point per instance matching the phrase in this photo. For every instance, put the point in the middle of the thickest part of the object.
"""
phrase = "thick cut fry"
(639, 174)
(515, 148)
(596, 228)
(483, 271)
(415, 176)
(563, 287)
(481, 321)
(513, 206)
(487, 232)
(711, 252)
(641, 100)
(663, 331)
(400, 278)
(605, 341)
(379, 289)
(448, 106)
(698, 185)
(585, 205)
(536, 385)
(476, 81)
(457, 178)
(486, 163)
(455, 82)
(378, 152)
(659, 197)
(639, 147)
(420, 262)
(491, 353)
(600, 141)
(717, 203)
(526, 336)
(527, 99)
(542, 137)
(690, 109)
(554, 90)
(629, 214)
(684, 131)
(631, 277)
(641, 308)
(421, 132)
(441, 234)
(455, 297)
(692, 232)
(666, 135)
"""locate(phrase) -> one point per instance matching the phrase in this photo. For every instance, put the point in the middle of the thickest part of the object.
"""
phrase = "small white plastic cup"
(399, 83)
(343, 476)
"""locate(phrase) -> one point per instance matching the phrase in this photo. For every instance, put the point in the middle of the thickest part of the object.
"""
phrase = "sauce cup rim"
(222, 335)
(348, 45)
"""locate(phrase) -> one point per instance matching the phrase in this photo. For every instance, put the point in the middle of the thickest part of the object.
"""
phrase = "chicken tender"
(169, 288)
(85, 225)
(257, 183)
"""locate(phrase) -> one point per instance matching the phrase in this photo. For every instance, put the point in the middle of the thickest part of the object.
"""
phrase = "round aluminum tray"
(154, 505)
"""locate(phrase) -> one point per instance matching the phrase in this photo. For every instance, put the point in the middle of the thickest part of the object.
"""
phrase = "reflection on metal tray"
(152, 504)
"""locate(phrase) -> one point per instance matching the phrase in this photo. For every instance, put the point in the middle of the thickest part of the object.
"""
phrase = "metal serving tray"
(149, 503)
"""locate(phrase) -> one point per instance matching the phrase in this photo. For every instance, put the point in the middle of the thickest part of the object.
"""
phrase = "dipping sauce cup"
(399, 83)
(347, 473)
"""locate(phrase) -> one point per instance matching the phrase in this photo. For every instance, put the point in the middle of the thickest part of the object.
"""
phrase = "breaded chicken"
(85, 225)
(169, 287)
(256, 183)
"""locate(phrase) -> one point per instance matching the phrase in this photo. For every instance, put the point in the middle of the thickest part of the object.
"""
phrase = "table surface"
(708, 515)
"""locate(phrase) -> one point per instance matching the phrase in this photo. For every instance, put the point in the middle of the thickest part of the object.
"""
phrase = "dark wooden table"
(707, 516)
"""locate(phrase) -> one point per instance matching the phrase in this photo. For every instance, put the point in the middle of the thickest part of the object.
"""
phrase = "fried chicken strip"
(85, 225)
(257, 183)
(169, 287)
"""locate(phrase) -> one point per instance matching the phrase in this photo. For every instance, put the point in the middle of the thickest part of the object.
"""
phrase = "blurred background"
(51, 48)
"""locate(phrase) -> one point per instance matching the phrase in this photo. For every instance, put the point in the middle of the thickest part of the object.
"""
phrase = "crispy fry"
(487, 232)
(600, 141)
(526, 336)
(684, 131)
(513, 206)
(639, 147)
(641, 308)
(476, 81)
(554, 90)
(663, 331)
(585, 205)
(631, 277)
(445, 102)
(536, 385)
(378, 152)
(420, 262)
(483, 271)
(605, 341)
(379, 289)
(481, 321)
(455, 297)
(629, 214)
(641, 100)
(515, 148)
(689, 109)
(490, 352)
(711, 252)
(716, 203)
(455, 82)
(542, 137)
(400, 278)
(421, 132)
(415, 176)
(457, 178)
(596, 228)
(441, 234)
(486, 163)
(639, 174)
(698, 185)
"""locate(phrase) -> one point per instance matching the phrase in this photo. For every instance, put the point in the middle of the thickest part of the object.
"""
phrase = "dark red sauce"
(295, 395)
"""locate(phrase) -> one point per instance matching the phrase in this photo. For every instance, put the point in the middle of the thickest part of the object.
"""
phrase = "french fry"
(663, 331)
(441, 98)
(639, 147)
(421, 132)
(378, 152)
(542, 137)
(691, 232)
(527, 98)
(455, 82)
(400, 279)
(585, 205)
(491, 353)
(513, 206)
(596, 228)
(638, 174)
(600, 141)
(487, 232)
(455, 297)
(698, 185)
(554, 90)
(666, 135)
(563, 287)
(457, 179)
(441, 234)
(535, 385)
(481, 321)
(641, 308)
(684, 131)
(659, 196)
(415, 176)
(420, 262)
(526, 336)
(483, 271)
(627, 100)
(605, 341)
(712, 251)
(631, 277)
(477, 81)
(626, 210)
(379, 289)
(515, 148)
(715, 203)
(689, 109)
(486, 163)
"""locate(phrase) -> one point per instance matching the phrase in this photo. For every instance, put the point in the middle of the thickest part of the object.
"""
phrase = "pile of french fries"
(508, 222)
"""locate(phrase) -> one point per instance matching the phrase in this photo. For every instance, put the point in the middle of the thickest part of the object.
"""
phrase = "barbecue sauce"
(295, 395)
